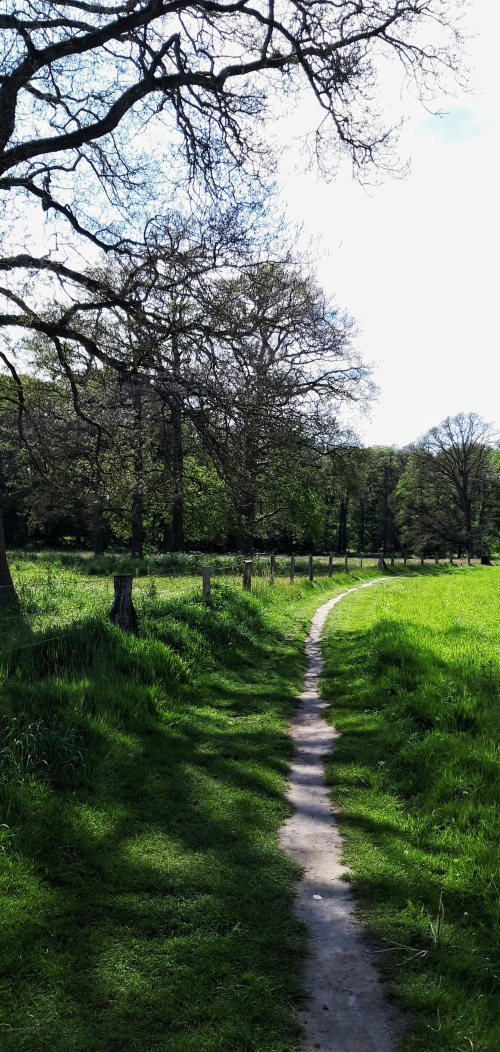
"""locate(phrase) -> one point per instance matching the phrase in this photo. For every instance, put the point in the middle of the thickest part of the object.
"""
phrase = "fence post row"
(292, 568)
(310, 568)
(206, 574)
(122, 612)
(247, 575)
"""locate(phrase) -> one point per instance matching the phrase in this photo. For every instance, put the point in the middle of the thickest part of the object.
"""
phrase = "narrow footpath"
(345, 1010)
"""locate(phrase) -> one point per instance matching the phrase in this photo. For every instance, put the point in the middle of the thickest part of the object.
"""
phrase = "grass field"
(412, 674)
(145, 904)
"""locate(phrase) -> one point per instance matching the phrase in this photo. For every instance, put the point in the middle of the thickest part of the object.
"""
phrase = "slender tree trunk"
(178, 541)
(166, 539)
(362, 527)
(99, 540)
(178, 482)
(137, 516)
(342, 526)
(386, 522)
(99, 530)
(247, 526)
(137, 523)
(468, 531)
(7, 591)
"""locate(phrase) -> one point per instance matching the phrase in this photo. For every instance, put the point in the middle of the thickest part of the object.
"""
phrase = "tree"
(107, 110)
(166, 65)
(283, 359)
(450, 487)
(168, 107)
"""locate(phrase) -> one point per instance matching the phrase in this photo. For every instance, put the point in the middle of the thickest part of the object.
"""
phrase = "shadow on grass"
(147, 906)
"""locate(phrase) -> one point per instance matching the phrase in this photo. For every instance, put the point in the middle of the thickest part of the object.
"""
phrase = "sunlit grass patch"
(413, 676)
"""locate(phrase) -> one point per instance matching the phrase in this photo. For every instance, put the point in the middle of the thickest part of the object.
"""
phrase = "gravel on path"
(346, 1010)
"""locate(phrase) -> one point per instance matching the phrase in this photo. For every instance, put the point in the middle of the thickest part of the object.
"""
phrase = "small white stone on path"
(338, 974)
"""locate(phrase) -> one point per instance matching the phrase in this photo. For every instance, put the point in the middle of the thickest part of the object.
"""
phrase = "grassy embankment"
(413, 676)
(145, 905)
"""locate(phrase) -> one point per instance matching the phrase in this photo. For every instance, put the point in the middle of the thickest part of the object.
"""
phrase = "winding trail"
(346, 1010)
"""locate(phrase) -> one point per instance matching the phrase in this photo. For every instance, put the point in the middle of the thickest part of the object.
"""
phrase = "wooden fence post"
(436, 558)
(330, 564)
(468, 559)
(404, 558)
(310, 568)
(272, 567)
(292, 569)
(206, 572)
(421, 558)
(247, 575)
(346, 563)
(361, 560)
(392, 558)
(122, 612)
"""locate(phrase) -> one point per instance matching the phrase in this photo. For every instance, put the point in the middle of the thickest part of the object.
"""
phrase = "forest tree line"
(138, 467)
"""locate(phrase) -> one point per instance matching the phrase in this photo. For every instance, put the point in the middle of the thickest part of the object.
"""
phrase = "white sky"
(415, 261)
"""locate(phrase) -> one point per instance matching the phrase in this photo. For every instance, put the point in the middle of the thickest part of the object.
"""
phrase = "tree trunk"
(7, 591)
(178, 542)
(137, 515)
(137, 525)
(468, 532)
(178, 482)
(246, 530)
(99, 539)
(342, 527)
(166, 538)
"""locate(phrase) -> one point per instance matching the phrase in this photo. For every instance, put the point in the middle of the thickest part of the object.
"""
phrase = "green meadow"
(412, 674)
(145, 904)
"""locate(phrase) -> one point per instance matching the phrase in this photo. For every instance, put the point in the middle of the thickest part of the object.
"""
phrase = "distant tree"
(448, 494)
(283, 358)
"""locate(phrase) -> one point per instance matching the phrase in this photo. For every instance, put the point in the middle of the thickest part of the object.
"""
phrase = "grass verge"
(412, 674)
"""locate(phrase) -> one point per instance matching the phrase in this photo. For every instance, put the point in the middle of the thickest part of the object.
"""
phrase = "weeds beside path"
(146, 905)
(413, 677)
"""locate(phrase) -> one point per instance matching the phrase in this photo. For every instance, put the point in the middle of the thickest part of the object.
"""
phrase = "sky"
(415, 261)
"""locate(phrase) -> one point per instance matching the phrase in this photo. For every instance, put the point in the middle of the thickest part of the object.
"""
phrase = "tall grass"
(413, 677)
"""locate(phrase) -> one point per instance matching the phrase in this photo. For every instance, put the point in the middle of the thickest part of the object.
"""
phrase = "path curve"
(346, 1010)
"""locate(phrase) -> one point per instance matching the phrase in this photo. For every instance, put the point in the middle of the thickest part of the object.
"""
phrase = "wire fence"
(57, 589)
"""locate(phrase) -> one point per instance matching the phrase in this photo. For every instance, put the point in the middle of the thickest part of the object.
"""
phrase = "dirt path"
(346, 1011)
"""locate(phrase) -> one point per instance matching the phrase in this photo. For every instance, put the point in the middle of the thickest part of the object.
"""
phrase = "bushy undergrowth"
(146, 905)
(413, 676)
